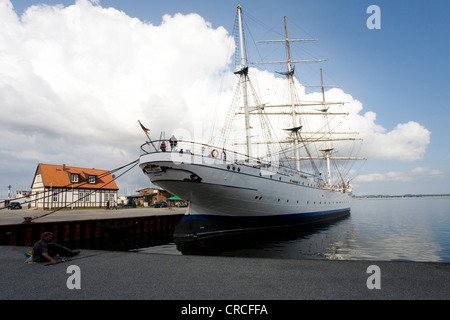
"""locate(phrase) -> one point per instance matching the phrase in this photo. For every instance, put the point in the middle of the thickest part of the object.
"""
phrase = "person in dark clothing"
(173, 142)
(163, 146)
(44, 250)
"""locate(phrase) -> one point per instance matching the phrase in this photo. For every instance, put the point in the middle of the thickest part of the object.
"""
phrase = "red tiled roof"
(61, 175)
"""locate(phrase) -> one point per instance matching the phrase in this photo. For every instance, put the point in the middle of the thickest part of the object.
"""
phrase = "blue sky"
(399, 72)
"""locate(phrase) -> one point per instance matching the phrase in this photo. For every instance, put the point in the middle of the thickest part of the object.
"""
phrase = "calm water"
(395, 229)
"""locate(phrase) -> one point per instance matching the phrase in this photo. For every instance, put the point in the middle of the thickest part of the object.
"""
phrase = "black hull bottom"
(204, 226)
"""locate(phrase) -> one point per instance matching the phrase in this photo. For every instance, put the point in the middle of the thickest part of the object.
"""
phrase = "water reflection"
(397, 230)
(306, 242)
(383, 229)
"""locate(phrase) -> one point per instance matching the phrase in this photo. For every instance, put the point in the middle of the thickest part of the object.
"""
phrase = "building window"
(74, 178)
(55, 196)
(92, 179)
(86, 197)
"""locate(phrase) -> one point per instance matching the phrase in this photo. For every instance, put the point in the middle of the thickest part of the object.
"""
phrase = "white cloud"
(406, 142)
(83, 75)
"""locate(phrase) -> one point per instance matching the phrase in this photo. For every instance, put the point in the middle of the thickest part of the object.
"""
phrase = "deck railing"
(212, 154)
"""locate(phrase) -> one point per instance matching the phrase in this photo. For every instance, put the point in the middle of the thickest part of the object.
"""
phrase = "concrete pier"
(133, 275)
(8, 217)
(89, 228)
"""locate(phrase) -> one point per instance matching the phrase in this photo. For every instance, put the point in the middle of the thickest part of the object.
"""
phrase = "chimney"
(64, 167)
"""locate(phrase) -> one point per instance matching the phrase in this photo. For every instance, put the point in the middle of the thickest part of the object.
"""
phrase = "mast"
(328, 149)
(243, 79)
(290, 76)
(296, 125)
(295, 138)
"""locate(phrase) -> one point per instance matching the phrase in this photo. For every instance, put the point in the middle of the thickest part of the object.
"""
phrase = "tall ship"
(289, 173)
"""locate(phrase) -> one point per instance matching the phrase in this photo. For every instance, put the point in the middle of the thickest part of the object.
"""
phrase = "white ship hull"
(230, 197)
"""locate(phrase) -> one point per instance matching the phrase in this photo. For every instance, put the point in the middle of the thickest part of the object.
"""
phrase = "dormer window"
(75, 177)
(92, 179)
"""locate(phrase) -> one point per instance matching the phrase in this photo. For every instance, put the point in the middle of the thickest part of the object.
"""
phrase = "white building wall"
(54, 198)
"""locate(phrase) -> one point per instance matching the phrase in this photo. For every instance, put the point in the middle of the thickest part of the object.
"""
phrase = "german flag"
(144, 128)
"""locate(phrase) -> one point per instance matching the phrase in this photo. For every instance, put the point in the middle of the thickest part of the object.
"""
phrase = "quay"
(114, 275)
(89, 228)
(17, 216)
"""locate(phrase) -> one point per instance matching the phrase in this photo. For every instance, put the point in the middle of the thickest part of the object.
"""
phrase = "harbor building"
(60, 186)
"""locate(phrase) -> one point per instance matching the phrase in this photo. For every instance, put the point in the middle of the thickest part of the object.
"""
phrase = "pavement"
(8, 217)
(112, 275)
(168, 276)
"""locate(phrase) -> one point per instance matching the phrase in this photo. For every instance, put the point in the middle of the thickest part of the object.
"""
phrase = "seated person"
(44, 250)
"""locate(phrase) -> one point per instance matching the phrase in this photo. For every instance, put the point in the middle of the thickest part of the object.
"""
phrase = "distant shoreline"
(403, 196)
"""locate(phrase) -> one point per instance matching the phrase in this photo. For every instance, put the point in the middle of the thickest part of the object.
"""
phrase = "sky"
(76, 76)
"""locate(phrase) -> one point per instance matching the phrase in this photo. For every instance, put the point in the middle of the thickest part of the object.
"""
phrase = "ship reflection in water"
(376, 229)
(306, 242)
